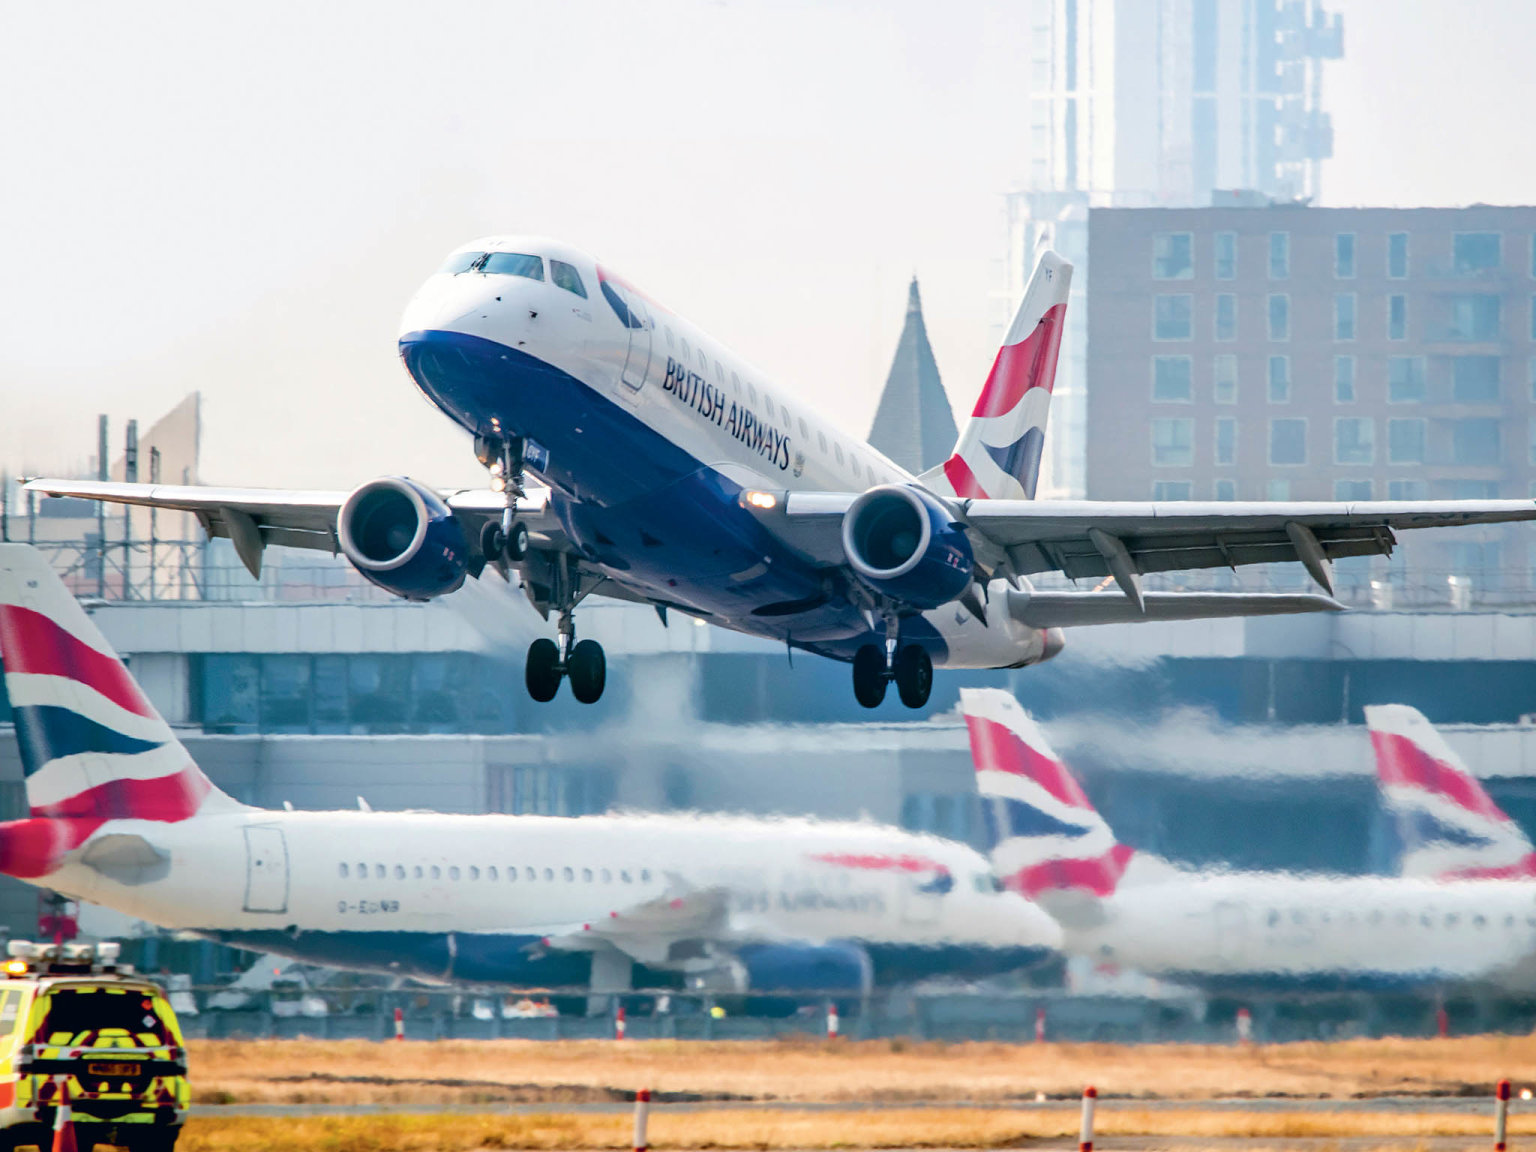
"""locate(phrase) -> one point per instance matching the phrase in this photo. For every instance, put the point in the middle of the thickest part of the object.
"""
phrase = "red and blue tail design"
(92, 747)
(998, 455)
(1449, 826)
(1043, 832)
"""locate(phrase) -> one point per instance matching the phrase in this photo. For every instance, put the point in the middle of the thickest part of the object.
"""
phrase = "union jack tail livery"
(998, 455)
(92, 747)
(1449, 826)
(1043, 832)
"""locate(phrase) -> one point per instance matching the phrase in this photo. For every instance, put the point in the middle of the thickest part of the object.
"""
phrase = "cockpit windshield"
(460, 262)
(513, 264)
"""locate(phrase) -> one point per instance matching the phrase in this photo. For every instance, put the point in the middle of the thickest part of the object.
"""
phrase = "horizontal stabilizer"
(1074, 609)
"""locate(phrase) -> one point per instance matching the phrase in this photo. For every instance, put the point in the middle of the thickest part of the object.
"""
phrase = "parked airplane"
(122, 817)
(1448, 825)
(676, 475)
(1228, 930)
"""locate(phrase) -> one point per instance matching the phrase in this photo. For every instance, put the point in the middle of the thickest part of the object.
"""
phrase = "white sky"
(241, 197)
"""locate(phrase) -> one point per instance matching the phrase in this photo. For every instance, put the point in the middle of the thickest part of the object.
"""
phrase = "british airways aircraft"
(121, 816)
(673, 473)
(1222, 930)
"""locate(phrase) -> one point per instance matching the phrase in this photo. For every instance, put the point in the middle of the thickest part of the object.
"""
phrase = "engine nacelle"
(903, 543)
(807, 968)
(400, 535)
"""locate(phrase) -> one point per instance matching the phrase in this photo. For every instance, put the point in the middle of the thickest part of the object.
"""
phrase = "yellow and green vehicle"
(76, 1026)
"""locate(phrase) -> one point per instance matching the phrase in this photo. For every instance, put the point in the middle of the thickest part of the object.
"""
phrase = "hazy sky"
(241, 197)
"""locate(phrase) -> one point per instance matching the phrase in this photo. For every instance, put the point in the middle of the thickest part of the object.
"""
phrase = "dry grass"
(925, 1128)
(484, 1072)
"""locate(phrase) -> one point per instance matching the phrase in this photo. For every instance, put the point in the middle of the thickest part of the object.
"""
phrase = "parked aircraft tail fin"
(998, 454)
(92, 746)
(1043, 832)
(1450, 828)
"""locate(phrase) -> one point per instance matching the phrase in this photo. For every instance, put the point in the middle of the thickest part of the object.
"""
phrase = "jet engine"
(402, 537)
(904, 543)
(806, 968)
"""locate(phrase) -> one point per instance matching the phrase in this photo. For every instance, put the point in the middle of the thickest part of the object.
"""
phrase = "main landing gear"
(908, 665)
(580, 661)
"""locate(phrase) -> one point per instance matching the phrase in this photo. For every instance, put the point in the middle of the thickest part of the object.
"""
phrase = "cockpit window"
(513, 264)
(461, 262)
(568, 278)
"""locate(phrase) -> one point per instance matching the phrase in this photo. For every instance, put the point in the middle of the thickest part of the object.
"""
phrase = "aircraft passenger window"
(784, 412)
(418, 871)
(531, 873)
(568, 874)
(607, 876)
(719, 372)
(687, 351)
(437, 873)
(513, 264)
(453, 872)
(1426, 921)
(567, 277)
(751, 391)
(1376, 916)
(1403, 918)
(1479, 921)
(549, 874)
(343, 871)
(586, 874)
(822, 437)
(460, 262)
(399, 871)
(735, 382)
(838, 448)
(490, 873)
(1451, 919)
(378, 871)
(1509, 921)
(670, 346)
(362, 871)
(805, 433)
(624, 876)
(474, 872)
(703, 362)
(1298, 917)
(512, 873)
(1273, 918)
(1530, 921)
(645, 875)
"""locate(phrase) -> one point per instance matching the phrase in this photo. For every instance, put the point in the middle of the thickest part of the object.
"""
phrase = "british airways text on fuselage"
(711, 403)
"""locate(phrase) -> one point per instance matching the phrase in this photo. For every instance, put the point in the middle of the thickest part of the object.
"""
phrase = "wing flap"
(648, 930)
(1076, 609)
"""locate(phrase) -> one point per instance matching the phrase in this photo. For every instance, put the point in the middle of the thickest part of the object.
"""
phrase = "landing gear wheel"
(587, 668)
(543, 670)
(516, 541)
(869, 676)
(492, 542)
(914, 675)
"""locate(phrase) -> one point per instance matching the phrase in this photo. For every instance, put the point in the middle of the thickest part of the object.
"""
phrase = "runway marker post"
(1500, 1115)
(642, 1120)
(1244, 1027)
(620, 1026)
(1085, 1132)
(399, 1023)
(832, 1021)
(1039, 1025)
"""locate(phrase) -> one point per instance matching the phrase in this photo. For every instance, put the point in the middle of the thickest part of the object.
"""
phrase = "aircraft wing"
(1076, 609)
(646, 932)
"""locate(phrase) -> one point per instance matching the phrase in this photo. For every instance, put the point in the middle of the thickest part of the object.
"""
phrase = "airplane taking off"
(1228, 930)
(675, 475)
(122, 817)
(1450, 828)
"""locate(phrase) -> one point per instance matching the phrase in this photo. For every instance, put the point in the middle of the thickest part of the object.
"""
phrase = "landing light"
(767, 501)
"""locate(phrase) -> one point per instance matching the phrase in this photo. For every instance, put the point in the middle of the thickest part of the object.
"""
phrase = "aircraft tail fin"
(1043, 833)
(92, 746)
(998, 454)
(1449, 827)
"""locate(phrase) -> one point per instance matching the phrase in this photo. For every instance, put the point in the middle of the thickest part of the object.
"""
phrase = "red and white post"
(399, 1023)
(833, 1024)
(1500, 1115)
(1244, 1027)
(620, 1025)
(1039, 1025)
(1085, 1132)
(642, 1120)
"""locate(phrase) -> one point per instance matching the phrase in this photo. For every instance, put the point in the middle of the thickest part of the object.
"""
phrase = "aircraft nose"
(455, 304)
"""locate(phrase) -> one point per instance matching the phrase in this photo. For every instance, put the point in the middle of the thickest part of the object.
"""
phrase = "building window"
(1475, 317)
(1226, 440)
(1475, 442)
(1344, 255)
(1475, 379)
(1474, 252)
(1397, 255)
(1344, 316)
(1170, 317)
(1279, 255)
(1226, 489)
(1279, 379)
(1226, 316)
(1532, 459)
(1530, 376)
(1470, 490)
(1171, 376)
(1397, 317)
(1344, 379)
(1224, 378)
(1405, 441)
(1405, 379)
(1173, 256)
(1279, 317)
(1354, 440)
(1407, 490)
(1533, 317)
(1351, 489)
(1173, 443)
(1224, 250)
(1287, 442)
(1171, 490)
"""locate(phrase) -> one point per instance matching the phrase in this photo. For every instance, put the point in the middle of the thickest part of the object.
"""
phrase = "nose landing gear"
(908, 665)
(507, 542)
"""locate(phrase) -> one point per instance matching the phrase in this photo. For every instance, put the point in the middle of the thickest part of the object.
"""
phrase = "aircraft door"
(637, 364)
(266, 869)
